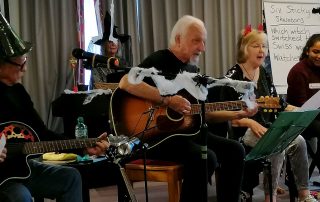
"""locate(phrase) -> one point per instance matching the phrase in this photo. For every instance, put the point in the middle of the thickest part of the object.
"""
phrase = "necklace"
(249, 75)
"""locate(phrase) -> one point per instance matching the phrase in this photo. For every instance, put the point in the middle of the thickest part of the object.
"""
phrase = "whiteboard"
(289, 25)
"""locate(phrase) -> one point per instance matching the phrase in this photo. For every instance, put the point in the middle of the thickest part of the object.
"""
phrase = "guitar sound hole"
(173, 115)
(17, 130)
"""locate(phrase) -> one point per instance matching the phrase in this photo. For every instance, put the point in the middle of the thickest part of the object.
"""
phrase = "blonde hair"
(247, 38)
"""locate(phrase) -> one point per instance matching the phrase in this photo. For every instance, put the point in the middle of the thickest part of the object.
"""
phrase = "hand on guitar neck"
(248, 112)
(100, 147)
(22, 143)
(222, 116)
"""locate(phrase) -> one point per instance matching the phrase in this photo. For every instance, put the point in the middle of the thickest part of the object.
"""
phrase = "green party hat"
(11, 45)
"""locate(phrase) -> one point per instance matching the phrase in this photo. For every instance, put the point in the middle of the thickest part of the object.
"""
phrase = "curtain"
(51, 26)
(149, 22)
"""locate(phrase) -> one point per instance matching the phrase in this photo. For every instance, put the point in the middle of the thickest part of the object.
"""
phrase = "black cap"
(11, 45)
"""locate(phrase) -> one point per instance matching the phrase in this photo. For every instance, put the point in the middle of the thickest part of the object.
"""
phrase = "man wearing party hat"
(46, 181)
(35, 179)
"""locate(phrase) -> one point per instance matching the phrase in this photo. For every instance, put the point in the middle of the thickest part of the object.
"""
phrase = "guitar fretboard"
(218, 106)
(50, 146)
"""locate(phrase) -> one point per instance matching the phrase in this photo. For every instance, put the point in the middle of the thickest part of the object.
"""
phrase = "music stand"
(281, 133)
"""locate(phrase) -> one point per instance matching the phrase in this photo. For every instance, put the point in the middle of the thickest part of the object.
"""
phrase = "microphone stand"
(203, 80)
(144, 150)
(204, 153)
(143, 146)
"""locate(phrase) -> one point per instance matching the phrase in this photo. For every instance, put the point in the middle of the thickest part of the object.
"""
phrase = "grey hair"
(181, 27)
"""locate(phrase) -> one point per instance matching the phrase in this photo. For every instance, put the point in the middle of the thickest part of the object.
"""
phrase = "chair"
(158, 171)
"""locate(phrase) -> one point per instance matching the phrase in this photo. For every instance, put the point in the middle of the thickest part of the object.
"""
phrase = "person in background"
(45, 181)
(187, 42)
(304, 81)
(110, 48)
(304, 77)
(252, 50)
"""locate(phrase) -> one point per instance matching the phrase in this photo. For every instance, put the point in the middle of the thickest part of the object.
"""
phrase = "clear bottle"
(81, 129)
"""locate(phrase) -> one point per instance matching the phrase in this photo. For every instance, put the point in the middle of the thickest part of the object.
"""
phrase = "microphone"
(128, 147)
(95, 59)
(316, 10)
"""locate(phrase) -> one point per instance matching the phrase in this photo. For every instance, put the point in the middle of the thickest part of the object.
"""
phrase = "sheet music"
(312, 103)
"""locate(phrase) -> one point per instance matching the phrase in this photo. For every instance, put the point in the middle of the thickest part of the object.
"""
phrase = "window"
(90, 31)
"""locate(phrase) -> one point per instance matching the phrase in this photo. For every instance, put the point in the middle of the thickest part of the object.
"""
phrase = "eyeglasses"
(16, 64)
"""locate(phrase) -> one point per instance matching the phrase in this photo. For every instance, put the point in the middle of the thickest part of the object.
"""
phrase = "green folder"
(281, 133)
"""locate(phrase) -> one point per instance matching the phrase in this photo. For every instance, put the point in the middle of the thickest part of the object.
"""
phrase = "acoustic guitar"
(133, 116)
(22, 143)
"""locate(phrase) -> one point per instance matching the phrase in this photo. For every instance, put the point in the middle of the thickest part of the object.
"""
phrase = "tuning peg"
(260, 99)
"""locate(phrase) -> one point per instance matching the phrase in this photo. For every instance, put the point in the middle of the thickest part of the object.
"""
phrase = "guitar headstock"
(269, 104)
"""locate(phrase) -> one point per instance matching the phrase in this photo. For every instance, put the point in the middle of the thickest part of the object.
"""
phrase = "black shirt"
(167, 63)
(16, 105)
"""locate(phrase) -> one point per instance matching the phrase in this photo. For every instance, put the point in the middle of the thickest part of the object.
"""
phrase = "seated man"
(45, 181)
(187, 41)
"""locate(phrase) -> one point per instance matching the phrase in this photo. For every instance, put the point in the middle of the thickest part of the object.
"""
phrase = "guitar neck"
(218, 106)
(129, 189)
(50, 146)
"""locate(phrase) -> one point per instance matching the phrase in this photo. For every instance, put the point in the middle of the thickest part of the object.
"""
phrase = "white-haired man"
(186, 44)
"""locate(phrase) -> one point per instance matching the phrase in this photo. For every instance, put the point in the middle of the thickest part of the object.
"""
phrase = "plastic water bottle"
(81, 130)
